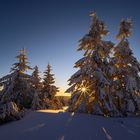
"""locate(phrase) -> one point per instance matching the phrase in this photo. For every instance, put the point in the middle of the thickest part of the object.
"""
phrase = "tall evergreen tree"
(37, 85)
(17, 85)
(36, 79)
(126, 78)
(49, 89)
(90, 84)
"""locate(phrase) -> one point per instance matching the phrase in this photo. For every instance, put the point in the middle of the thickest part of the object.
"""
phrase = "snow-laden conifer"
(49, 90)
(17, 85)
(126, 78)
(90, 85)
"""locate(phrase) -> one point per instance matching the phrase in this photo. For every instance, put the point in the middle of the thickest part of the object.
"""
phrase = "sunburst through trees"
(107, 81)
(110, 73)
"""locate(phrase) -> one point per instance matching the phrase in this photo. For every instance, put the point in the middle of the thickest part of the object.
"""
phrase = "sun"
(83, 89)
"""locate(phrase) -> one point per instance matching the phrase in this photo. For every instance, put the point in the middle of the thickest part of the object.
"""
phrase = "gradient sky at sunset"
(50, 30)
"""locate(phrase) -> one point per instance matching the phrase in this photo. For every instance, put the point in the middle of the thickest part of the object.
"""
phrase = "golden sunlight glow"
(63, 94)
(115, 78)
(51, 111)
(83, 89)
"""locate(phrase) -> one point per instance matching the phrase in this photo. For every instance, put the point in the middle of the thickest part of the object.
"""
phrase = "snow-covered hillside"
(55, 125)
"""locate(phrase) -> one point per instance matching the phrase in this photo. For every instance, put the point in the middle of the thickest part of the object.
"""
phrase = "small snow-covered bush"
(10, 112)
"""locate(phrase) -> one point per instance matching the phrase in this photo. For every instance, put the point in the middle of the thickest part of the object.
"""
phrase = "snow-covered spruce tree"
(18, 85)
(126, 78)
(90, 84)
(49, 90)
(36, 81)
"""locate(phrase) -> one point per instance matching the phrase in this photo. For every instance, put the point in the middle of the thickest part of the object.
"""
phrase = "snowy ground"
(55, 125)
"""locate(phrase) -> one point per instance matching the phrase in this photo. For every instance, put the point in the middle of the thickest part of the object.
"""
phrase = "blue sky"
(50, 30)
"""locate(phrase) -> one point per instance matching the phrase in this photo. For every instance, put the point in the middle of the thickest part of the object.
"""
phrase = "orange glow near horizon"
(63, 93)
